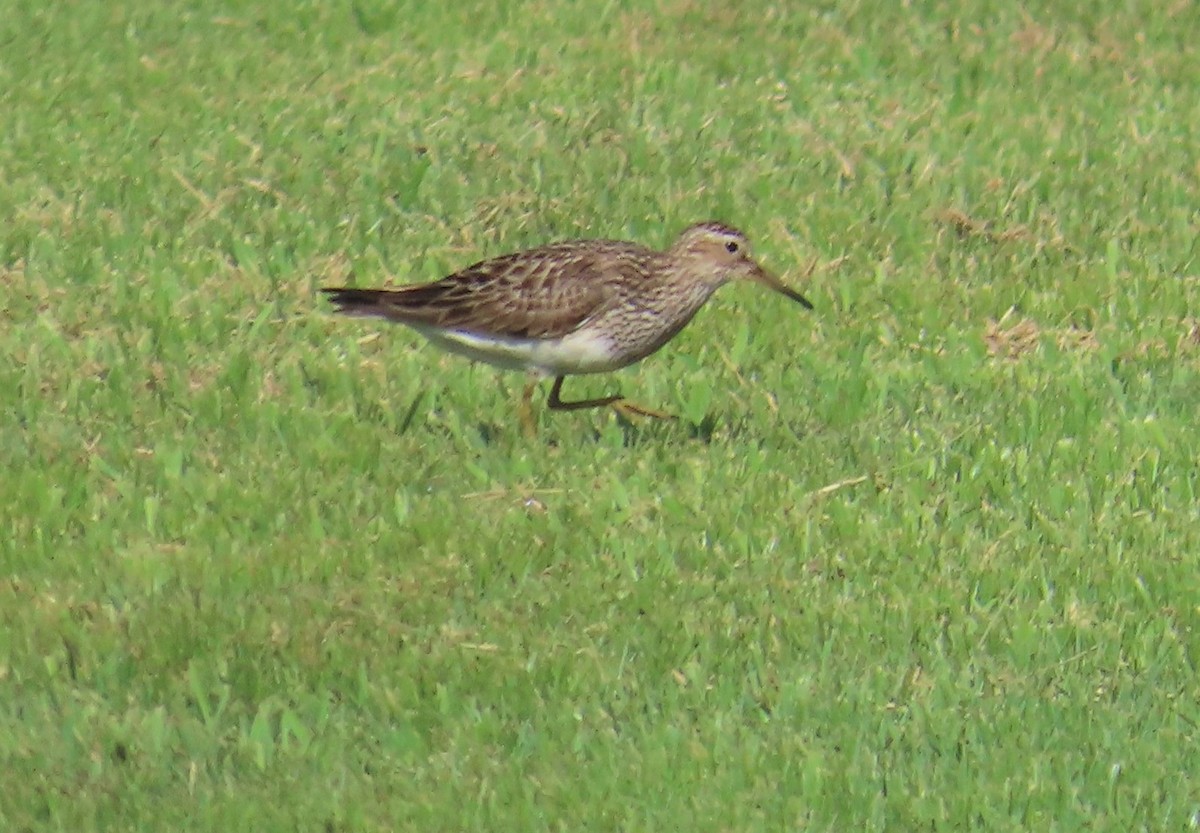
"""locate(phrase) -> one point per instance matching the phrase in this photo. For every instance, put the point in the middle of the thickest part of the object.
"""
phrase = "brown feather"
(542, 293)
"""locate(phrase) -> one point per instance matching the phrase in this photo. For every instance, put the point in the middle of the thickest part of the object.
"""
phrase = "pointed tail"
(365, 302)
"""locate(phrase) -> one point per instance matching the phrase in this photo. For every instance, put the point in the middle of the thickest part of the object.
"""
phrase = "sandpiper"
(581, 306)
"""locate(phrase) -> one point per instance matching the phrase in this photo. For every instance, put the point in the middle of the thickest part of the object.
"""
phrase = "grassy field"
(923, 559)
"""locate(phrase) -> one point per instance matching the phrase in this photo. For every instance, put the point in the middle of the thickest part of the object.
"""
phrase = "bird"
(570, 308)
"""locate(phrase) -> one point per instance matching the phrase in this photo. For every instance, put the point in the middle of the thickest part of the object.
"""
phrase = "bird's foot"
(628, 410)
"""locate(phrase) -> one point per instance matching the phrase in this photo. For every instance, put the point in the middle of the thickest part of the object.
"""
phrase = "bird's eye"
(731, 247)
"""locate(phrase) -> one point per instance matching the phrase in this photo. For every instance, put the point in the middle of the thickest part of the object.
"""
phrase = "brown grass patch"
(966, 226)
(1011, 337)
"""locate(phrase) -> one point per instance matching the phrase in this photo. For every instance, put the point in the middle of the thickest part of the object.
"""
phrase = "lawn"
(924, 558)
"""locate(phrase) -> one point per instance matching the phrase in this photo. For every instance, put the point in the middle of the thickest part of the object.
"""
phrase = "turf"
(924, 559)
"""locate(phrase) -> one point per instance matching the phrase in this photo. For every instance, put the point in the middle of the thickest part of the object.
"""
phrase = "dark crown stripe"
(718, 228)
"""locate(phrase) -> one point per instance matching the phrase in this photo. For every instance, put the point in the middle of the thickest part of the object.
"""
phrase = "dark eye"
(731, 247)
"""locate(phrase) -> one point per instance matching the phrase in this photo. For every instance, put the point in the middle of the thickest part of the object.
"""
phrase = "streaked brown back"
(542, 293)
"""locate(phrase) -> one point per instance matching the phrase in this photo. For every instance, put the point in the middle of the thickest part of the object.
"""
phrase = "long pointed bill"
(762, 276)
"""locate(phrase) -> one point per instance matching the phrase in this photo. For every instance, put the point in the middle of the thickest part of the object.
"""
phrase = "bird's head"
(722, 253)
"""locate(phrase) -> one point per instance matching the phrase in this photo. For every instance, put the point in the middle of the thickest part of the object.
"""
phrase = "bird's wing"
(542, 293)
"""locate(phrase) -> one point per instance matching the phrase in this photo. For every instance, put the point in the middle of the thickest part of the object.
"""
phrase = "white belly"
(583, 351)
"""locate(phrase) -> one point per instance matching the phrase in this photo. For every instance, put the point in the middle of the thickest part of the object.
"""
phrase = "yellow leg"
(525, 410)
(618, 403)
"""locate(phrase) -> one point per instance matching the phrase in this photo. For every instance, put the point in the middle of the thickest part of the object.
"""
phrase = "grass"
(924, 559)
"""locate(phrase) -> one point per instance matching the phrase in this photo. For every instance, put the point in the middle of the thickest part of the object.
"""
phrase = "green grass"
(924, 559)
